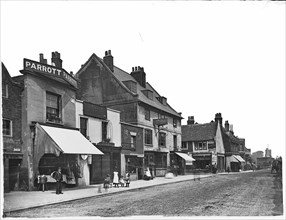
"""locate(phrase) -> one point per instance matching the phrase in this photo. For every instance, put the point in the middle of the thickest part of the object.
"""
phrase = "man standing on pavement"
(58, 176)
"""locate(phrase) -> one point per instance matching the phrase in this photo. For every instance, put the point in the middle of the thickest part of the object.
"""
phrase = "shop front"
(181, 163)
(12, 164)
(156, 162)
(203, 161)
(106, 164)
(232, 164)
(134, 166)
(66, 148)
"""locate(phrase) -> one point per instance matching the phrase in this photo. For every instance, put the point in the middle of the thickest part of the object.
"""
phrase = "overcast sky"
(205, 57)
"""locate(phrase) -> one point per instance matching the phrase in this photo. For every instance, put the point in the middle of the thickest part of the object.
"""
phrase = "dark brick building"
(12, 124)
(101, 82)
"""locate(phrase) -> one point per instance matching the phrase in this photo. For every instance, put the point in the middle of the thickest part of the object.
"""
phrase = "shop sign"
(48, 69)
(160, 122)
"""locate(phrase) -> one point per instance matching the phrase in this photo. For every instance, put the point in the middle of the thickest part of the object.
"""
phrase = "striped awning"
(239, 158)
(189, 160)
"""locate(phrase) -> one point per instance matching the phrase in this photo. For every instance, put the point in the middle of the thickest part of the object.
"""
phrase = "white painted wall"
(94, 125)
(114, 127)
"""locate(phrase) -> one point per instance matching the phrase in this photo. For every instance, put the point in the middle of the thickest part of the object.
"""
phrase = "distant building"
(234, 149)
(205, 142)
(267, 152)
(264, 162)
(255, 155)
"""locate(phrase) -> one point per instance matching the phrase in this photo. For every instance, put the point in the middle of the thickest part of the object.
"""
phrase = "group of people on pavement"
(116, 181)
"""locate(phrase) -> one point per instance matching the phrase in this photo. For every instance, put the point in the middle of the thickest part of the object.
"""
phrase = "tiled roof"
(124, 76)
(199, 132)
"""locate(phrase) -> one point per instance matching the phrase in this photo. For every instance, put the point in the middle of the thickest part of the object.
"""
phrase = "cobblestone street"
(247, 194)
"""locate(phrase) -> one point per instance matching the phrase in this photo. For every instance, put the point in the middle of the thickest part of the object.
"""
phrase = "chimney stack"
(42, 59)
(56, 59)
(108, 59)
(226, 126)
(218, 118)
(139, 74)
(191, 120)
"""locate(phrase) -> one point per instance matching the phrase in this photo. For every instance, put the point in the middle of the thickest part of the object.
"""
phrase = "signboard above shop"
(160, 122)
(49, 69)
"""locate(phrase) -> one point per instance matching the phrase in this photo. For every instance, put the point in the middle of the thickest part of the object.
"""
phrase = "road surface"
(256, 193)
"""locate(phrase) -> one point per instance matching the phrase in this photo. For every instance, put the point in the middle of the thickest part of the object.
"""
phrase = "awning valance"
(189, 160)
(239, 158)
(69, 141)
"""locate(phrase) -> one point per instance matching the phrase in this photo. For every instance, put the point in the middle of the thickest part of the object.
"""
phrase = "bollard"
(99, 189)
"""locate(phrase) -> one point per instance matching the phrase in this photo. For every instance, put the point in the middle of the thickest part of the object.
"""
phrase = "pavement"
(21, 200)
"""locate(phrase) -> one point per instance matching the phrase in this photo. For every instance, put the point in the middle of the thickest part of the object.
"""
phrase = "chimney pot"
(191, 120)
(218, 118)
(108, 60)
(226, 125)
(56, 59)
(139, 74)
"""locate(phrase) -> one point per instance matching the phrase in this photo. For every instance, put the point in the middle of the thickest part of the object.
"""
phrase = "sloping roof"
(121, 76)
(199, 132)
(124, 76)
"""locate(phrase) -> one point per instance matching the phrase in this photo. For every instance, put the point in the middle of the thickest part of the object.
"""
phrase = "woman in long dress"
(115, 179)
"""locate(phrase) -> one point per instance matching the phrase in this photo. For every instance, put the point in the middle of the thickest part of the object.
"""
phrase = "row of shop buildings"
(100, 120)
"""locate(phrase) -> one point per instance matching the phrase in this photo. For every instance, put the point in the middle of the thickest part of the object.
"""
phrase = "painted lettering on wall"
(48, 69)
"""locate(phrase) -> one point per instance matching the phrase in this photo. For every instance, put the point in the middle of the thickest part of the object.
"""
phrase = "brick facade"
(12, 144)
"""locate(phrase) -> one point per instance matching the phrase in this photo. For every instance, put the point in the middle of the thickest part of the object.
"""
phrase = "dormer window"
(53, 102)
(148, 93)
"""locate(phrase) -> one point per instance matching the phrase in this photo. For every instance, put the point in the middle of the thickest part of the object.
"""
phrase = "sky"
(204, 57)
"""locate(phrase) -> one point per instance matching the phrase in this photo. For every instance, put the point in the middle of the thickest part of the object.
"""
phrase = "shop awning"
(239, 158)
(189, 160)
(233, 159)
(68, 141)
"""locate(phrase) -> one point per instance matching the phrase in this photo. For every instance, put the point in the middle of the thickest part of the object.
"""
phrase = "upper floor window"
(104, 131)
(201, 146)
(162, 139)
(83, 126)
(4, 90)
(148, 136)
(175, 123)
(161, 116)
(7, 127)
(133, 141)
(53, 103)
(175, 142)
(147, 114)
(184, 145)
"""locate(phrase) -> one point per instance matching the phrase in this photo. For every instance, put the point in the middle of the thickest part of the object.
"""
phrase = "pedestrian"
(121, 180)
(43, 182)
(228, 169)
(107, 182)
(127, 179)
(115, 178)
(58, 176)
